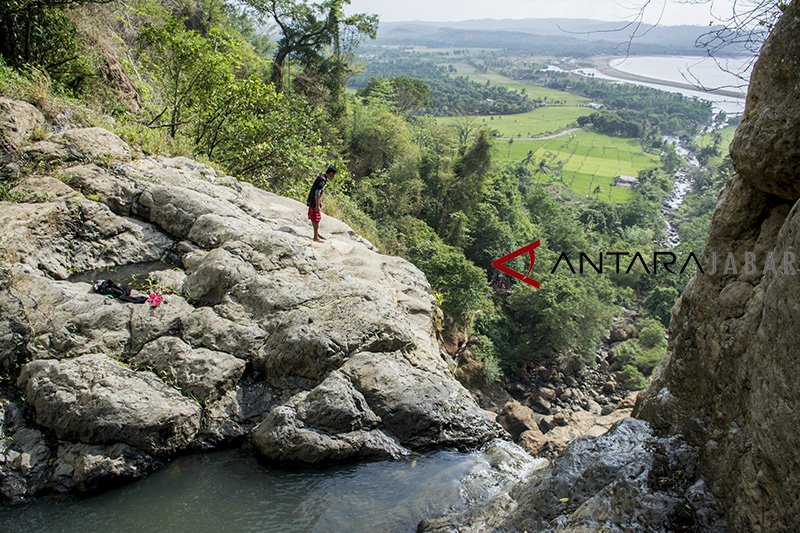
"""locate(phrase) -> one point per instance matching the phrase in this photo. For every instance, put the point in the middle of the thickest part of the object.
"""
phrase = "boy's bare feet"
(321, 237)
(318, 239)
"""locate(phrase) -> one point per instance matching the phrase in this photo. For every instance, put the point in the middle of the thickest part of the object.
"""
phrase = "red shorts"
(314, 214)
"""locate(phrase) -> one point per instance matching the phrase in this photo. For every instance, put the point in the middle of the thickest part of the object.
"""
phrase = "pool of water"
(134, 274)
(232, 491)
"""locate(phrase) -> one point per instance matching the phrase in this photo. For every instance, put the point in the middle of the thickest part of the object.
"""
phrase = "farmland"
(534, 92)
(587, 160)
(725, 133)
(540, 121)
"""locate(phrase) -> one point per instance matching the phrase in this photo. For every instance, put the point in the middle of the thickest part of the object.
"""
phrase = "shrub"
(463, 285)
(626, 354)
(345, 208)
(567, 315)
(631, 353)
(650, 359)
(650, 333)
(632, 378)
(484, 351)
(659, 303)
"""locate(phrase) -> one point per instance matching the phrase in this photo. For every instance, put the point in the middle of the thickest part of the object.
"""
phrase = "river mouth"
(231, 491)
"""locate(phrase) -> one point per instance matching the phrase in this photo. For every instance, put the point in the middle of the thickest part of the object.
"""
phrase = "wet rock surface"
(330, 350)
(626, 480)
(89, 468)
(24, 454)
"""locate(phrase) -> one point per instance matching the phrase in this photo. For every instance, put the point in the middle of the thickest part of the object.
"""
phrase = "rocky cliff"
(317, 352)
(730, 383)
(626, 480)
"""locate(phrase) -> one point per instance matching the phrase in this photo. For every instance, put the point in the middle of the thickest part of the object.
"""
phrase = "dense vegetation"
(200, 79)
(449, 95)
(660, 112)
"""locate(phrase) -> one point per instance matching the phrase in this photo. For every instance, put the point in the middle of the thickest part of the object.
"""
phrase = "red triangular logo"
(530, 249)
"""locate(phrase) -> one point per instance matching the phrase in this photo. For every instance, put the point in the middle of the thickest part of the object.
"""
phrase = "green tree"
(270, 139)
(600, 216)
(378, 138)
(307, 29)
(187, 68)
(408, 96)
(659, 303)
(670, 160)
(567, 315)
(38, 32)
(463, 286)
(464, 187)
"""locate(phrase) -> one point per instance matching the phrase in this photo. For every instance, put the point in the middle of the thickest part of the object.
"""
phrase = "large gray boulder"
(64, 235)
(730, 381)
(96, 400)
(93, 144)
(331, 423)
(19, 121)
(331, 350)
(205, 374)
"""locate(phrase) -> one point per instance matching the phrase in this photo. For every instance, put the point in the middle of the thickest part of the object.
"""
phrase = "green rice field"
(540, 121)
(707, 140)
(590, 160)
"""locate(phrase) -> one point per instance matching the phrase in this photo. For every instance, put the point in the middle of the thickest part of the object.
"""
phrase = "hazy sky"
(675, 12)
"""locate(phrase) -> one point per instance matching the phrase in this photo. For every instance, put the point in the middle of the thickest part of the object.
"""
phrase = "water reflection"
(230, 491)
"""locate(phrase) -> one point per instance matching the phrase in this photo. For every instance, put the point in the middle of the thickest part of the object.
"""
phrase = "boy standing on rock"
(314, 201)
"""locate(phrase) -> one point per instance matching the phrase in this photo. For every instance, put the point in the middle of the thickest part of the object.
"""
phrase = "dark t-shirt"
(316, 190)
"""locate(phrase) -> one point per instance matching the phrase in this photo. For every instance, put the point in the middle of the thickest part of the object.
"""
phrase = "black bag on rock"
(122, 292)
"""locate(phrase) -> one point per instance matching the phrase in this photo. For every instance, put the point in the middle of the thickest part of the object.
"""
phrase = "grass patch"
(535, 92)
(536, 123)
(590, 160)
(345, 209)
(726, 137)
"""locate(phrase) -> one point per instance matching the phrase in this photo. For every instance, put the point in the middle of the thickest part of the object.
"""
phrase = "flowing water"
(231, 491)
(680, 189)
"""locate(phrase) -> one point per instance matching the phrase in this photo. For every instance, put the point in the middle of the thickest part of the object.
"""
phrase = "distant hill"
(546, 36)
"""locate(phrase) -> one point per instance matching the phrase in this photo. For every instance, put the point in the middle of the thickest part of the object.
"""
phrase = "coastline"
(603, 65)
